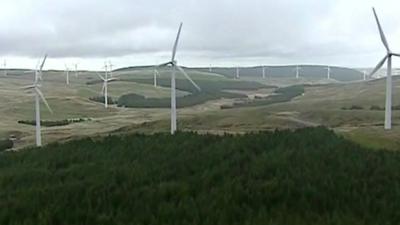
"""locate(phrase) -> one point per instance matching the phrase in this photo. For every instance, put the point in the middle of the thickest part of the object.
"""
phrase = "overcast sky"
(217, 32)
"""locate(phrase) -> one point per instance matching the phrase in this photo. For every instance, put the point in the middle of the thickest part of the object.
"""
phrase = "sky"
(215, 32)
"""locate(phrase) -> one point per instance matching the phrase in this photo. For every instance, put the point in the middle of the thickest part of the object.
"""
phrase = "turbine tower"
(104, 89)
(66, 72)
(329, 72)
(210, 69)
(298, 72)
(38, 95)
(263, 72)
(237, 73)
(174, 64)
(388, 57)
(365, 75)
(155, 74)
(76, 70)
(5, 67)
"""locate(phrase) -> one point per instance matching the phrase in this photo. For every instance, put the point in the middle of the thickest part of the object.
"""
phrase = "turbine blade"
(44, 60)
(187, 77)
(380, 64)
(103, 88)
(383, 38)
(28, 87)
(37, 64)
(101, 77)
(176, 43)
(396, 54)
(43, 99)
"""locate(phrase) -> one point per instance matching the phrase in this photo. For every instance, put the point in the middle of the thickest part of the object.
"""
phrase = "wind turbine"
(298, 71)
(237, 73)
(76, 70)
(210, 69)
(155, 74)
(365, 75)
(104, 89)
(5, 67)
(263, 72)
(38, 95)
(329, 72)
(174, 64)
(66, 72)
(388, 57)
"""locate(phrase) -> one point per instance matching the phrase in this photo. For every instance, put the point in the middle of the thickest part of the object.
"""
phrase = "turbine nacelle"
(170, 63)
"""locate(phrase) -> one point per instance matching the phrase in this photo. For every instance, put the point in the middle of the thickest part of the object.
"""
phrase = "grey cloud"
(212, 28)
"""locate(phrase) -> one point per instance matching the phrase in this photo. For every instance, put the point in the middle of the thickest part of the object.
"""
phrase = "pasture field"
(321, 104)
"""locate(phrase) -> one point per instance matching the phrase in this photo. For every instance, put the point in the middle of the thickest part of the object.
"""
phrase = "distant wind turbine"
(263, 72)
(237, 73)
(298, 72)
(174, 64)
(210, 69)
(38, 95)
(155, 74)
(104, 89)
(388, 57)
(328, 72)
(66, 72)
(365, 75)
(5, 67)
(76, 70)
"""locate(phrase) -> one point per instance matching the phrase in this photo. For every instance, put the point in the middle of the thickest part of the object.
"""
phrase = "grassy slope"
(309, 176)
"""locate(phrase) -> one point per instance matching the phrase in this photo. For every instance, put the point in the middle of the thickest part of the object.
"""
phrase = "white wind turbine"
(76, 70)
(155, 74)
(328, 72)
(263, 72)
(66, 72)
(365, 75)
(104, 89)
(298, 72)
(388, 57)
(5, 67)
(174, 64)
(38, 95)
(237, 73)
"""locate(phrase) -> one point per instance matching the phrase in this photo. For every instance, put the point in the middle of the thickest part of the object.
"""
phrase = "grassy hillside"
(308, 176)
